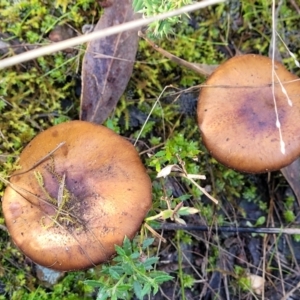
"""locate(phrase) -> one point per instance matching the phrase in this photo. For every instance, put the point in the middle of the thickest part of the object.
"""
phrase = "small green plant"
(155, 7)
(242, 278)
(175, 147)
(130, 272)
(288, 213)
(174, 213)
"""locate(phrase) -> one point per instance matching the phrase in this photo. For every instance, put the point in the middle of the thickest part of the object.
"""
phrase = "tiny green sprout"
(188, 280)
(288, 213)
(260, 221)
(289, 216)
(174, 214)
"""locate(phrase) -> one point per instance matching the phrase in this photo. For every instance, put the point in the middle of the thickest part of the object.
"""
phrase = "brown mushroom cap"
(103, 189)
(237, 118)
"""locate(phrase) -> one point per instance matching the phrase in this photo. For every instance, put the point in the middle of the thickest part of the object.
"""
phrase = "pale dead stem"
(278, 125)
(201, 69)
(290, 293)
(102, 33)
(40, 160)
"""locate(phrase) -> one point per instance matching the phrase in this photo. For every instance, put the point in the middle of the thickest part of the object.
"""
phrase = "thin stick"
(202, 190)
(61, 191)
(11, 61)
(152, 109)
(40, 161)
(204, 70)
(290, 293)
(259, 230)
(157, 235)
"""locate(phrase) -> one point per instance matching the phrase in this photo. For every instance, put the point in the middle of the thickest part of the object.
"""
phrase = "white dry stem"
(202, 190)
(40, 160)
(61, 191)
(101, 33)
(289, 51)
(278, 125)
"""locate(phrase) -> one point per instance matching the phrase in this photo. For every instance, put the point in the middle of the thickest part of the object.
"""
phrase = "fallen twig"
(11, 61)
(257, 230)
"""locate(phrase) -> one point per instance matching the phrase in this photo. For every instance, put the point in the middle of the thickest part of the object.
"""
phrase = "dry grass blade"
(201, 69)
(99, 34)
(40, 161)
(257, 230)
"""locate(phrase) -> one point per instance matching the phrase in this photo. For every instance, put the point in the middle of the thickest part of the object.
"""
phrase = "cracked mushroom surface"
(236, 114)
(80, 189)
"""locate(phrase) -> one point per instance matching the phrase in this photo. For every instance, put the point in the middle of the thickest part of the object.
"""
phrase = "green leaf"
(114, 274)
(120, 251)
(163, 278)
(127, 268)
(93, 283)
(137, 288)
(127, 245)
(150, 261)
(166, 214)
(102, 295)
(184, 197)
(135, 255)
(147, 288)
(185, 211)
(296, 237)
(260, 221)
(289, 216)
(124, 287)
(138, 5)
(147, 243)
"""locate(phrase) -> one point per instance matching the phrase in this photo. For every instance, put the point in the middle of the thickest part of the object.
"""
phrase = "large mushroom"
(237, 116)
(80, 189)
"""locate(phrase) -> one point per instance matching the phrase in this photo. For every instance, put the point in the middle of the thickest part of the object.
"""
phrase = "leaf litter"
(108, 64)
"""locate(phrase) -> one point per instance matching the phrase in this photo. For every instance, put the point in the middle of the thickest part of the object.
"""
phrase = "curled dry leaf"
(108, 64)
(257, 283)
(167, 170)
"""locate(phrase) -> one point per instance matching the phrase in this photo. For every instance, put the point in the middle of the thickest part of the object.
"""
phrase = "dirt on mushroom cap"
(237, 118)
(105, 195)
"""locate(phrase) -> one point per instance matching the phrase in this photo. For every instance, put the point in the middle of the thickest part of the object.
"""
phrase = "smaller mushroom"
(80, 190)
(237, 117)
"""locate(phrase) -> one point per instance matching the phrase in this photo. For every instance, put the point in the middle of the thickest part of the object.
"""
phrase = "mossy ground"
(43, 92)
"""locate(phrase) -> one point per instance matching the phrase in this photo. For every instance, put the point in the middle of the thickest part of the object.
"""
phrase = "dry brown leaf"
(291, 174)
(108, 64)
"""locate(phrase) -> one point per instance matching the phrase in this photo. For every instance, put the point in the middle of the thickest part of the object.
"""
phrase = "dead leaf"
(108, 64)
(167, 171)
(291, 174)
(257, 283)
